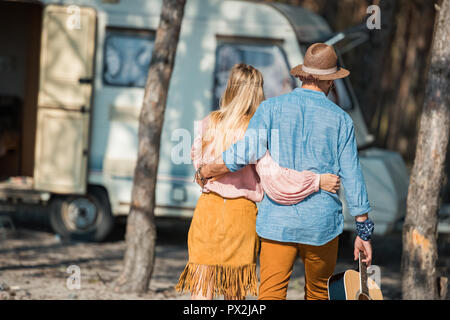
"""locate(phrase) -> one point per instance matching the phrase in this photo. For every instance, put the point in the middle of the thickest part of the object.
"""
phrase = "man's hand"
(199, 182)
(212, 171)
(329, 182)
(364, 246)
(361, 245)
(215, 169)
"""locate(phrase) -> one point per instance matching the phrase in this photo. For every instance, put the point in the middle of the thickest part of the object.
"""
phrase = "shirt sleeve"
(253, 145)
(351, 174)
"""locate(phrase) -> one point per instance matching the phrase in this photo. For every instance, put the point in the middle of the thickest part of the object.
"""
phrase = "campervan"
(72, 78)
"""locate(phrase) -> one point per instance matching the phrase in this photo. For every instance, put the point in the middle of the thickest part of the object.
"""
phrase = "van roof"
(308, 25)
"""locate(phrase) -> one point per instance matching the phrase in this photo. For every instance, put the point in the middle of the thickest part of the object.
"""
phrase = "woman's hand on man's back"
(329, 182)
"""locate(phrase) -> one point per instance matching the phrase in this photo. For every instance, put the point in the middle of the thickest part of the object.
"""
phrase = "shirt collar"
(309, 91)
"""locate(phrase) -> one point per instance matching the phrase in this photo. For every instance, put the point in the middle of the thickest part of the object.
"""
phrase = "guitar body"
(347, 286)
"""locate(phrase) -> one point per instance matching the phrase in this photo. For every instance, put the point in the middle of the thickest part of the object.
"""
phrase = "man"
(305, 131)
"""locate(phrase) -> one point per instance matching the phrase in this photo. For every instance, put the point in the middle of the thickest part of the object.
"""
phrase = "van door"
(64, 102)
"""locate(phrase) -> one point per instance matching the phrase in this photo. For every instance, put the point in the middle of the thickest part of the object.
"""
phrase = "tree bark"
(420, 279)
(141, 230)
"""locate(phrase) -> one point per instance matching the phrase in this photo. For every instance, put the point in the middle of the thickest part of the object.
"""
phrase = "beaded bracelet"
(365, 229)
(199, 175)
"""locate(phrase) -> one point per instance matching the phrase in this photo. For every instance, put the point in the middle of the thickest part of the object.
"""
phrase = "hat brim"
(341, 73)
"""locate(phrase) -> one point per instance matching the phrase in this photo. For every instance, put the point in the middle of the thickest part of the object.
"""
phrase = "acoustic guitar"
(353, 285)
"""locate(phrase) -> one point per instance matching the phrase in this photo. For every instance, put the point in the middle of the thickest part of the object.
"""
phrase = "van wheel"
(84, 218)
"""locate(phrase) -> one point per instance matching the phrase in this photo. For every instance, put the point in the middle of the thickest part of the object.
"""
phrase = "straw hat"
(320, 62)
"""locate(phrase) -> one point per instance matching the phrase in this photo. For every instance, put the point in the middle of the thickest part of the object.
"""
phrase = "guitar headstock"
(363, 273)
(362, 256)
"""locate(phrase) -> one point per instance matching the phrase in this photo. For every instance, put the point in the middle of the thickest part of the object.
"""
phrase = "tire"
(82, 217)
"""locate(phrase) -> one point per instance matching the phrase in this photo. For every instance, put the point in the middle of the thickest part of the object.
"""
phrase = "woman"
(222, 240)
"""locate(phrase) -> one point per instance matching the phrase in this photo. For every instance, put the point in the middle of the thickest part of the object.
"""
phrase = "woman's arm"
(288, 186)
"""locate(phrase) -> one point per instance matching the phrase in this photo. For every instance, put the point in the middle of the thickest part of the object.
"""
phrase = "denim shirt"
(303, 130)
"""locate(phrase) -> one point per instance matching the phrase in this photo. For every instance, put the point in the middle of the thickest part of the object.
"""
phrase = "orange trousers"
(276, 263)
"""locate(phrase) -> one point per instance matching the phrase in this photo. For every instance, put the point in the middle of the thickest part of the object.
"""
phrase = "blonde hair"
(242, 96)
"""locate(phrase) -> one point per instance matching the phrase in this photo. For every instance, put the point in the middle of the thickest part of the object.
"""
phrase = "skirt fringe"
(233, 281)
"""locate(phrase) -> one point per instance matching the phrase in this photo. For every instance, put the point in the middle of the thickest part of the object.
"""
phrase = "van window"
(267, 58)
(127, 55)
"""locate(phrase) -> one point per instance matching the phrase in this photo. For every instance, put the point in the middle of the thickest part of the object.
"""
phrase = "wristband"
(199, 175)
(365, 229)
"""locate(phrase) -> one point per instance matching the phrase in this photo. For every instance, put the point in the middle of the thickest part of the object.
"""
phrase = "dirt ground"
(34, 262)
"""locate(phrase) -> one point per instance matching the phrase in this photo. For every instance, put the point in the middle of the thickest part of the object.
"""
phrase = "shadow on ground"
(35, 260)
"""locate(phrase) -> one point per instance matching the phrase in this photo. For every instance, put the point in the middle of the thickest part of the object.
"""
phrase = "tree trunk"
(141, 230)
(420, 229)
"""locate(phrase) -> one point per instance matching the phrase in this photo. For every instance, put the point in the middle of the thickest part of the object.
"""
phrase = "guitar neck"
(363, 274)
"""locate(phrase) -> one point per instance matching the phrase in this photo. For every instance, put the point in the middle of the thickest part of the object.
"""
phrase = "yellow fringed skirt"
(223, 246)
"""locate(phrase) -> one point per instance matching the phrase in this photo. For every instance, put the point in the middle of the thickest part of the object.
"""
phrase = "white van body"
(80, 70)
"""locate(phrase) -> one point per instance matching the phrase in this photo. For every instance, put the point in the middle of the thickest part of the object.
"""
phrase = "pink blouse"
(284, 186)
